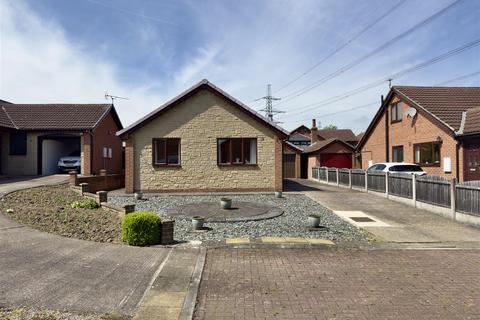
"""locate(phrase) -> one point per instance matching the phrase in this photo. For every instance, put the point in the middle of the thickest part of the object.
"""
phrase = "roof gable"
(342, 134)
(319, 145)
(58, 116)
(204, 84)
(444, 106)
(472, 121)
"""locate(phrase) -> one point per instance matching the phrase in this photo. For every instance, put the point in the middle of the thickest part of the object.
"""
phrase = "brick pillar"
(86, 154)
(129, 167)
(72, 178)
(278, 164)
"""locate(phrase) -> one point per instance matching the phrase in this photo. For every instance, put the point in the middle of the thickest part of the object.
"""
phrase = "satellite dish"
(411, 112)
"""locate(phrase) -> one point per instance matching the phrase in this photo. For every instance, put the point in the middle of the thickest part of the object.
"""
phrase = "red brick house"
(309, 147)
(436, 127)
(33, 137)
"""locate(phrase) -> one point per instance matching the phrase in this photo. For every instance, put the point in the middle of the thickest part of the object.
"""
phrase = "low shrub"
(141, 228)
(85, 204)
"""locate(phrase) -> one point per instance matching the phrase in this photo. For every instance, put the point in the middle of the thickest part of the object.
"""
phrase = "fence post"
(326, 173)
(350, 178)
(336, 171)
(387, 175)
(366, 181)
(453, 197)
(414, 189)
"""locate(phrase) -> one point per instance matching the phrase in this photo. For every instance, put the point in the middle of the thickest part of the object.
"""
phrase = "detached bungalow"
(33, 137)
(435, 127)
(203, 140)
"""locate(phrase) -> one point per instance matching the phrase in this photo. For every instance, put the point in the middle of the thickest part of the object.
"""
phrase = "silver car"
(69, 163)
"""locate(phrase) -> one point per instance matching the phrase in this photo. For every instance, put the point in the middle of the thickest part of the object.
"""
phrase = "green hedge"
(141, 228)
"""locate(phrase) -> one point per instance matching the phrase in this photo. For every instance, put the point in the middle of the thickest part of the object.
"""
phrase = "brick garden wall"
(100, 183)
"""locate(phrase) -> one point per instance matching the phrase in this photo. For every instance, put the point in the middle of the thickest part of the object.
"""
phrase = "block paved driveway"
(315, 284)
(10, 184)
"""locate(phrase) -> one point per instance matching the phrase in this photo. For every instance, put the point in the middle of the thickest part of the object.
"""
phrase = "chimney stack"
(314, 131)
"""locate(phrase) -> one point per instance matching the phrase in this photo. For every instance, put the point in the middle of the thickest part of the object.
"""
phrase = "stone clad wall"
(198, 122)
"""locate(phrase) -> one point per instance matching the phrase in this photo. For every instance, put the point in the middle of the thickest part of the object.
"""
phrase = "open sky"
(151, 50)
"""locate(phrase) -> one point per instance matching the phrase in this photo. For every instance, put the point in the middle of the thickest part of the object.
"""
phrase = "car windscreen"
(406, 168)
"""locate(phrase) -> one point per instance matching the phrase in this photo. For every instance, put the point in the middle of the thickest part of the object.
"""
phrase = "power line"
(466, 76)
(396, 75)
(334, 52)
(349, 66)
(376, 102)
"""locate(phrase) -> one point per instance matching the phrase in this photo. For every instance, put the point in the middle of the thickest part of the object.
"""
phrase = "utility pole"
(269, 110)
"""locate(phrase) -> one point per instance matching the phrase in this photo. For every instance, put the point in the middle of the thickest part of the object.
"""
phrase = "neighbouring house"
(33, 137)
(203, 140)
(435, 127)
(306, 148)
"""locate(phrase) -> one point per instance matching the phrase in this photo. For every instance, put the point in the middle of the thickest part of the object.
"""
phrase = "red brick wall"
(105, 136)
(406, 133)
(101, 183)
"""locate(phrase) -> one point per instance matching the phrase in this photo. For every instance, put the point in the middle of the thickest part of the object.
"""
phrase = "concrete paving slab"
(350, 215)
(237, 241)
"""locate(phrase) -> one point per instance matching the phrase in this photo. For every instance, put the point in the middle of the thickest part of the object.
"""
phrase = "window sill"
(395, 121)
(158, 165)
(237, 164)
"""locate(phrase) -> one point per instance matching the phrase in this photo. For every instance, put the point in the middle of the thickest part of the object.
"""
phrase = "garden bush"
(141, 228)
(85, 204)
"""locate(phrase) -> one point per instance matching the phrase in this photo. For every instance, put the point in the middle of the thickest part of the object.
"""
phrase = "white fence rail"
(459, 201)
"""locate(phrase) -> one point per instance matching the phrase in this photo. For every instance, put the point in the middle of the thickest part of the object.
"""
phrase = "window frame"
(396, 106)
(433, 143)
(397, 148)
(24, 148)
(166, 164)
(243, 155)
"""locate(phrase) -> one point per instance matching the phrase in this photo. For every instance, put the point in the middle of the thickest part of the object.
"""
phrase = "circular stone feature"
(212, 212)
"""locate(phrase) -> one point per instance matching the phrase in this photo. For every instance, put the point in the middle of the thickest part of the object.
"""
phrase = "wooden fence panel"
(358, 178)
(401, 185)
(376, 181)
(468, 197)
(322, 175)
(434, 190)
(332, 176)
(343, 177)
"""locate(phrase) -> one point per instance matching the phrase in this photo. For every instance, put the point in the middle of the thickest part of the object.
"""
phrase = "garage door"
(336, 160)
(289, 166)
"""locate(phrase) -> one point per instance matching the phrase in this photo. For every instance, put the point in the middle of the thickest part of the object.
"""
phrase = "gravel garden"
(293, 222)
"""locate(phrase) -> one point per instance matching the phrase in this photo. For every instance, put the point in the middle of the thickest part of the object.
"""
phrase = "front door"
(472, 160)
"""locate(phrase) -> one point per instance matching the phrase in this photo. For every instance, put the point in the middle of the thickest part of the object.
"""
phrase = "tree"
(330, 127)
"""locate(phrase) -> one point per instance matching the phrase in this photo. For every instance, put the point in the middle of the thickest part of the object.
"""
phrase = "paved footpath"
(329, 284)
(10, 184)
(405, 224)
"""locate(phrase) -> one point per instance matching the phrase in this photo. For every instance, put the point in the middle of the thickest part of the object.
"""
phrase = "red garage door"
(336, 160)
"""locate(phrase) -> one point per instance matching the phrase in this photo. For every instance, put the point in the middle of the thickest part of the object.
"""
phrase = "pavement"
(345, 284)
(10, 184)
(394, 223)
(48, 271)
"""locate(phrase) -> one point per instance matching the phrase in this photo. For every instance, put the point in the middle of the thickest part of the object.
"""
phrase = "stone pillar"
(86, 156)
(166, 232)
(128, 208)
(102, 196)
(84, 187)
(278, 180)
(129, 167)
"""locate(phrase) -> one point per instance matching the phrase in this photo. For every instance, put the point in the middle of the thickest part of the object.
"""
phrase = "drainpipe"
(457, 162)
(387, 143)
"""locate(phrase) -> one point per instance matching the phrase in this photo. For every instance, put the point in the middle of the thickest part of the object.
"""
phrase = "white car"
(69, 163)
(397, 167)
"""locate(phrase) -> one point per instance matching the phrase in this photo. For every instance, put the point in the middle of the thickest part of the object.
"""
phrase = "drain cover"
(362, 219)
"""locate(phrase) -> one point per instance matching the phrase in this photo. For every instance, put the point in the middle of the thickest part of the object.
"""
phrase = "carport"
(52, 147)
